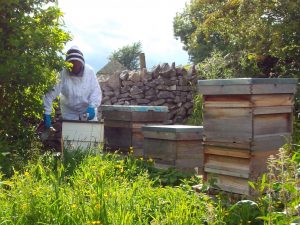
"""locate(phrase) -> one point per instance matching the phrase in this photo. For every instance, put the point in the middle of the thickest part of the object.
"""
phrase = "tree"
(128, 55)
(31, 44)
(267, 31)
(188, 27)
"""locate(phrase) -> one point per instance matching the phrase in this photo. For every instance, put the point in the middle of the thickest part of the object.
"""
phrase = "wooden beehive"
(122, 125)
(245, 121)
(82, 135)
(175, 145)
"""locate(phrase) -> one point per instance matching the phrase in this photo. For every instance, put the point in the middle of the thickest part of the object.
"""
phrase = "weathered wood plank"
(224, 89)
(227, 144)
(232, 163)
(272, 124)
(149, 116)
(259, 163)
(160, 135)
(190, 165)
(223, 151)
(117, 123)
(270, 142)
(272, 110)
(227, 101)
(273, 88)
(229, 183)
(117, 138)
(189, 149)
(272, 100)
(227, 171)
(160, 149)
(137, 140)
(226, 123)
(173, 136)
(135, 116)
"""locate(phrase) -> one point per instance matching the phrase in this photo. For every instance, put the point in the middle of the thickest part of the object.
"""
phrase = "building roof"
(111, 67)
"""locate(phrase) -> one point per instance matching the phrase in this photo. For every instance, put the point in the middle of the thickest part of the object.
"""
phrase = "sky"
(99, 27)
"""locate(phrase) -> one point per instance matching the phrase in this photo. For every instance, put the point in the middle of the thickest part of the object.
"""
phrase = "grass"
(114, 189)
(101, 189)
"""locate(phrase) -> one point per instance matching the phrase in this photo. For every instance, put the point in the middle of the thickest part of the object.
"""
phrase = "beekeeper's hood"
(75, 54)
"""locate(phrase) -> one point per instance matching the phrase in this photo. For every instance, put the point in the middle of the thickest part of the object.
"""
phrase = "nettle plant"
(277, 193)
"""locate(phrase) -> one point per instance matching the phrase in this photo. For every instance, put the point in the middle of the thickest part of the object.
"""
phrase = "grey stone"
(165, 94)
(142, 101)
(159, 102)
(134, 76)
(124, 75)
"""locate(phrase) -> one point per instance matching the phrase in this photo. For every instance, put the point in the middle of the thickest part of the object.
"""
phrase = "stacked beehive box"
(81, 135)
(178, 146)
(245, 121)
(122, 125)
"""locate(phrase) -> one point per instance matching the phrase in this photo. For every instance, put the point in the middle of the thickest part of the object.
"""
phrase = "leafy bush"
(31, 44)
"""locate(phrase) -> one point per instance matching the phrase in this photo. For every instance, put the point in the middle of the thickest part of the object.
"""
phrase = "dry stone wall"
(165, 85)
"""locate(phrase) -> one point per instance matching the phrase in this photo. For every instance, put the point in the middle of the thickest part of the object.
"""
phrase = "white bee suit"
(77, 93)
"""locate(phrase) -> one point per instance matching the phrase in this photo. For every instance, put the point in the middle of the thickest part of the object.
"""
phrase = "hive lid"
(173, 128)
(247, 86)
(133, 108)
(248, 81)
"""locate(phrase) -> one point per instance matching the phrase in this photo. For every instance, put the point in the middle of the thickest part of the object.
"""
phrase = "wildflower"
(150, 160)
(131, 150)
(96, 222)
(97, 206)
(142, 158)
(26, 173)
(24, 206)
(73, 206)
(122, 170)
(118, 166)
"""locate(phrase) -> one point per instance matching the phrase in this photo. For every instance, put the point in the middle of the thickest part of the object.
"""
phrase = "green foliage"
(244, 212)
(277, 193)
(267, 31)
(215, 67)
(187, 27)
(31, 44)
(128, 55)
(197, 115)
(101, 190)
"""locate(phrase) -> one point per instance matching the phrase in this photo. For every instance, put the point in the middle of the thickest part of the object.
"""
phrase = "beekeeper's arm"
(47, 103)
(95, 96)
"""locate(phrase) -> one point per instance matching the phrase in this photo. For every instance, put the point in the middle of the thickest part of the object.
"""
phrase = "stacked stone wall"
(164, 85)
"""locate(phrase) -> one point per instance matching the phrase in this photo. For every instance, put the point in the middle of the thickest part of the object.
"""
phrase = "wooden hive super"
(122, 125)
(179, 146)
(245, 121)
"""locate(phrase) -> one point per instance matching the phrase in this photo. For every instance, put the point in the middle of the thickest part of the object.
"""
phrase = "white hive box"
(82, 135)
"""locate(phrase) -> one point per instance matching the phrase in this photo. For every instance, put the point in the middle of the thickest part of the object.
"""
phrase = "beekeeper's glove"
(91, 113)
(47, 121)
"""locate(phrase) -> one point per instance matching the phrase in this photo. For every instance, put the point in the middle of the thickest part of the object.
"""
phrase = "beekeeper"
(78, 88)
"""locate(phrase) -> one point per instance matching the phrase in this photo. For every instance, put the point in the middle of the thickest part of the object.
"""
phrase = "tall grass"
(102, 189)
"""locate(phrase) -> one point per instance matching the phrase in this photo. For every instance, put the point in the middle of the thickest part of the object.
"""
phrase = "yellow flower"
(97, 206)
(122, 170)
(131, 150)
(96, 222)
(24, 206)
(141, 158)
(73, 206)
(150, 160)
(26, 174)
